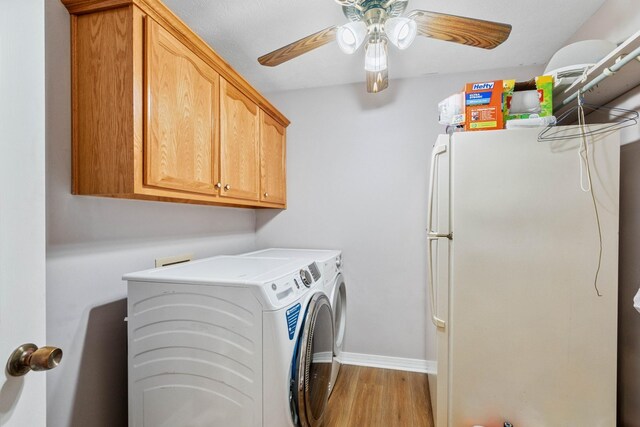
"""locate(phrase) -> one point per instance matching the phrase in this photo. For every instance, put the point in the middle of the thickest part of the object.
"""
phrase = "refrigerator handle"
(433, 235)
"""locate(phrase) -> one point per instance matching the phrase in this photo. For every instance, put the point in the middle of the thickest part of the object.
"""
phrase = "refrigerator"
(525, 332)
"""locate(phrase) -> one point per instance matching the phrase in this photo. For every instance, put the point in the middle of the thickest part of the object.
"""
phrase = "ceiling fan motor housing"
(375, 19)
(357, 10)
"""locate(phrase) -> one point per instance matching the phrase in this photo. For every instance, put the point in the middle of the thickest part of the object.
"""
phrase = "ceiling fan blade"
(377, 81)
(299, 47)
(459, 29)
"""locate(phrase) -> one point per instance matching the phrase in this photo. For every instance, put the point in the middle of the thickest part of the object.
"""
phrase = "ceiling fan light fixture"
(350, 36)
(381, 22)
(401, 31)
(375, 58)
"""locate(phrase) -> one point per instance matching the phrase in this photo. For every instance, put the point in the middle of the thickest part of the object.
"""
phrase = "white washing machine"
(330, 262)
(229, 341)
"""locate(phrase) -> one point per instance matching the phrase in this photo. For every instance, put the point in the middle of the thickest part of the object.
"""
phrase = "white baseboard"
(386, 362)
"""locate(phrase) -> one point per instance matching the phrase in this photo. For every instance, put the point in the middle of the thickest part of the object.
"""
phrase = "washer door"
(314, 362)
(339, 313)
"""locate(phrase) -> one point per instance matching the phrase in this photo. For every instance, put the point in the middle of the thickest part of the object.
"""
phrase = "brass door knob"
(227, 187)
(218, 185)
(266, 195)
(28, 357)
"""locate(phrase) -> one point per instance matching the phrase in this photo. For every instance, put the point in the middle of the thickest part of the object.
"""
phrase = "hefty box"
(483, 106)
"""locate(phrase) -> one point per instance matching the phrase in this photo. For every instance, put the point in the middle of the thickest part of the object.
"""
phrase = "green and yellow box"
(544, 107)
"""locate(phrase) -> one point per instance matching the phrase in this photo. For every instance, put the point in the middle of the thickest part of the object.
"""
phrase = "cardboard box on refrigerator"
(483, 106)
(533, 98)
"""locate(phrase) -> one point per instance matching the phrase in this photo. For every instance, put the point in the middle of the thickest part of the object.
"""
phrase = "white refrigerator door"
(527, 339)
(438, 229)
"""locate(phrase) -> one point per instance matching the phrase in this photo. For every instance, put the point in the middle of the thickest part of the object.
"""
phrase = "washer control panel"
(290, 287)
(306, 278)
(282, 290)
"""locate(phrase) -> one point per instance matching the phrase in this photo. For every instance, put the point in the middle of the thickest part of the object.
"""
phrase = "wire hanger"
(619, 118)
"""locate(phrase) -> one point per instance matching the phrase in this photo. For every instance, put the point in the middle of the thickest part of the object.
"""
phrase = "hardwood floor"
(370, 397)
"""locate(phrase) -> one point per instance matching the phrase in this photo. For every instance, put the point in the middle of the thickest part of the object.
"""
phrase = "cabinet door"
(272, 160)
(182, 107)
(239, 144)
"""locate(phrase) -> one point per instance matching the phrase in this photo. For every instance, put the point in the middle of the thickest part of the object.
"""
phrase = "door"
(239, 144)
(530, 339)
(314, 361)
(181, 116)
(272, 160)
(438, 244)
(22, 204)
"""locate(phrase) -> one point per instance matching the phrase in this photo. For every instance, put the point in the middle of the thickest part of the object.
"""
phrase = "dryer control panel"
(332, 267)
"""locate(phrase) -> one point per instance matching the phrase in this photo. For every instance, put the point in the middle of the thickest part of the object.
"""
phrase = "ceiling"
(242, 30)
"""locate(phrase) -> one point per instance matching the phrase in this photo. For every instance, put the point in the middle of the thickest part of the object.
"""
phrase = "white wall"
(629, 278)
(631, 101)
(91, 243)
(358, 168)
(22, 204)
(614, 21)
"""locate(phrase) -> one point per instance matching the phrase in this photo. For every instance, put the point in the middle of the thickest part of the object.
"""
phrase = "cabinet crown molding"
(161, 13)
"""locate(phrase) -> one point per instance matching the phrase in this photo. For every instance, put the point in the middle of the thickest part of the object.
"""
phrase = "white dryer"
(229, 341)
(330, 262)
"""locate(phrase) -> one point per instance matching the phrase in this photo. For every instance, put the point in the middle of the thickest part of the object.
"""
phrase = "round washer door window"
(315, 360)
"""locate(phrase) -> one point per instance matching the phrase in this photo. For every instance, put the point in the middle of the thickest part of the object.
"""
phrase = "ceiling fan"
(380, 21)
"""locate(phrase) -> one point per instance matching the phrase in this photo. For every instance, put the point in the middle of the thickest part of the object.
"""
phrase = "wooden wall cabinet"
(182, 110)
(273, 160)
(239, 144)
(158, 115)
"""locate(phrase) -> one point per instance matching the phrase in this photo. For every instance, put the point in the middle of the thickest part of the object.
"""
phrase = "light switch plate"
(170, 260)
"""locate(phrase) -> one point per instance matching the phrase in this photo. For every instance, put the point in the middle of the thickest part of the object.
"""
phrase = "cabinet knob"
(266, 195)
(227, 187)
(218, 185)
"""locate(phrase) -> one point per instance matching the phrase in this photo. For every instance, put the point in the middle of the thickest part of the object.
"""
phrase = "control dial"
(306, 278)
